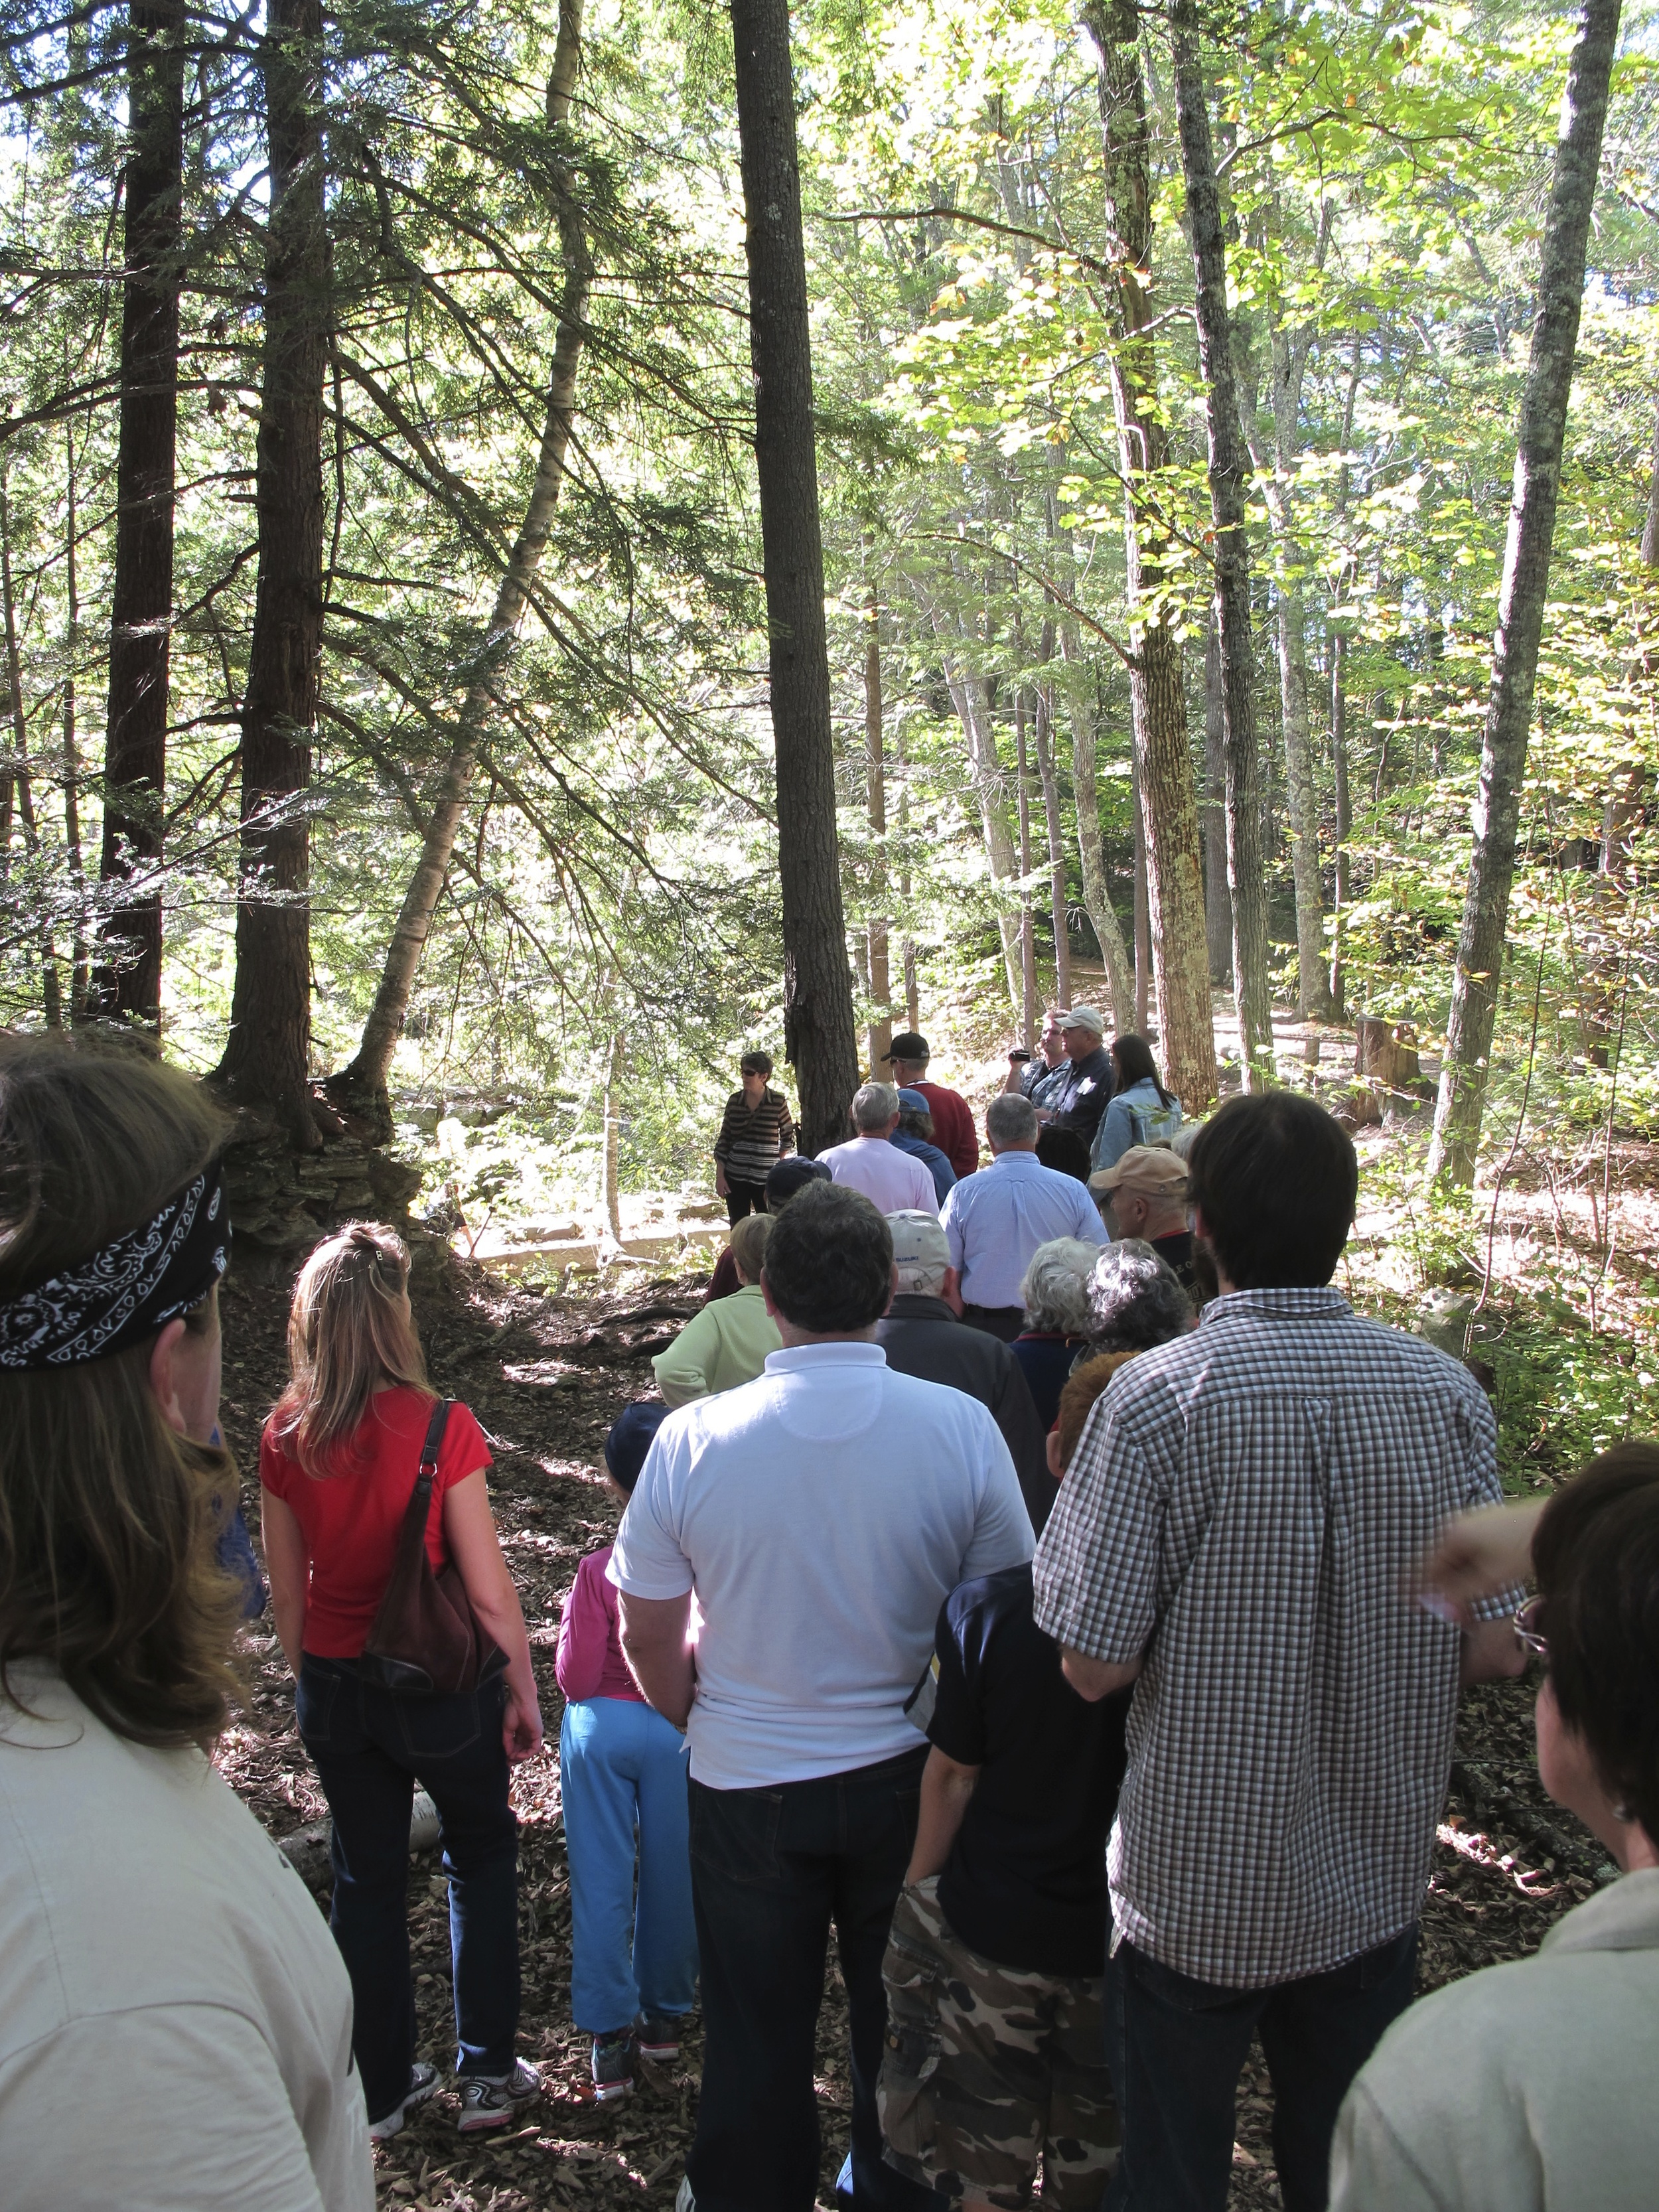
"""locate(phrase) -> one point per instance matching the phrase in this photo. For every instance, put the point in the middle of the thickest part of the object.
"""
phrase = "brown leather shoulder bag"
(427, 1642)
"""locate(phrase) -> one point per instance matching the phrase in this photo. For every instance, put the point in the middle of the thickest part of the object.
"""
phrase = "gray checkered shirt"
(1245, 1507)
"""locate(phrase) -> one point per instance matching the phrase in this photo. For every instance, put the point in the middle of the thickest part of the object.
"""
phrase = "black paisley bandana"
(127, 1291)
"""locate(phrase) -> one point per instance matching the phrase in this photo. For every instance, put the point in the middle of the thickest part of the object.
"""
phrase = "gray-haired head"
(874, 1105)
(1135, 1299)
(1055, 1291)
(1011, 1121)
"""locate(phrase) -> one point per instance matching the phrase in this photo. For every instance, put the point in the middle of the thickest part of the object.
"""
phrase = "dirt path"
(545, 1377)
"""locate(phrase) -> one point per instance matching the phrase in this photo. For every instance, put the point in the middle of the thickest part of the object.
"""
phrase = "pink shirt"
(893, 1181)
(590, 1663)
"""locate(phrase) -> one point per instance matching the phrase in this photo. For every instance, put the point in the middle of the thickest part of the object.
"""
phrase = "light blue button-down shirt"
(995, 1220)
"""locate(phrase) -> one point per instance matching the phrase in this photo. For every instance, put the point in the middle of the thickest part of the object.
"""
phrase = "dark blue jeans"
(1176, 2046)
(770, 1869)
(369, 1749)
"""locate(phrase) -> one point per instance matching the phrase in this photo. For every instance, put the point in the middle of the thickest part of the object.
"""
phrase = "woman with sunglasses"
(1528, 2087)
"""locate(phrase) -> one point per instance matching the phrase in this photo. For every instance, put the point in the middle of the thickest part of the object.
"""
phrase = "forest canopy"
(384, 631)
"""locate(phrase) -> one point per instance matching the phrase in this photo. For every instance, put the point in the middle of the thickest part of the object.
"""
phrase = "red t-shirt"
(953, 1126)
(351, 1521)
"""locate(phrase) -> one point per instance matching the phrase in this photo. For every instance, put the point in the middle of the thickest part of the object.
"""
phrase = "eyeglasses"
(1528, 1629)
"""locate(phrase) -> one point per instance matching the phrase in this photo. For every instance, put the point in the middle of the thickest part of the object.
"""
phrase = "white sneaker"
(423, 2081)
(489, 2104)
(684, 2201)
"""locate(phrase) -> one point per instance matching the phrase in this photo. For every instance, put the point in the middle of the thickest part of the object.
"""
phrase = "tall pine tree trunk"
(1218, 901)
(1167, 804)
(79, 964)
(820, 1034)
(968, 697)
(879, 1037)
(361, 1086)
(127, 981)
(266, 1063)
(1520, 599)
(1042, 737)
(1091, 865)
(1246, 873)
(1344, 816)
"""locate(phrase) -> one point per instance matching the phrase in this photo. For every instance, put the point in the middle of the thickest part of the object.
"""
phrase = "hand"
(1479, 1555)
(521, 1731)
(722, 1188)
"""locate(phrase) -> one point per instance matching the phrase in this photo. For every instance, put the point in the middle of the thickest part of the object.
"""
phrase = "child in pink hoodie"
(622, 1774)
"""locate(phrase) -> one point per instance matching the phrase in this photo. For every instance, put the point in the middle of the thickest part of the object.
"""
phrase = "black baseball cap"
(909, 1046)
(788, 1175)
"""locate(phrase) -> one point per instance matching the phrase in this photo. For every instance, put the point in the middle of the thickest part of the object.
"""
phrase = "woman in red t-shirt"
(337, 1464)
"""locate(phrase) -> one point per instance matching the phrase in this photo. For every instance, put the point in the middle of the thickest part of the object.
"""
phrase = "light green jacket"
(724, 1345)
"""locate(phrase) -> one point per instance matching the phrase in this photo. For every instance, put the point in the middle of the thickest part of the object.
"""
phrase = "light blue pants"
(623, 1773)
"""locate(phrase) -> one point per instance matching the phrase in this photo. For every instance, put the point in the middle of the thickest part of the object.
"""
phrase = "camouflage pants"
(987, 2069)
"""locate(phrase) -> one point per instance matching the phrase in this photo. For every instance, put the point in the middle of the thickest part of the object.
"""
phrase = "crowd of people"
(1055, 1587)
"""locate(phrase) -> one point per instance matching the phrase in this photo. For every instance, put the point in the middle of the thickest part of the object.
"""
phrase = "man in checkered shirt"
(1238, 1531)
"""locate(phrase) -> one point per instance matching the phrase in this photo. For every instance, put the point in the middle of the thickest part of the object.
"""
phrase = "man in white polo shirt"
(892, 1181)
(994, 1220)
(819, 1557)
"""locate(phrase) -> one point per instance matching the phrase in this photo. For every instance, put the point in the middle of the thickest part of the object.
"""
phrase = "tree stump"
(1385, 1053)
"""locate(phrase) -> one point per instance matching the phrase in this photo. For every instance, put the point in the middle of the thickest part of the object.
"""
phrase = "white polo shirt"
(822, 1514)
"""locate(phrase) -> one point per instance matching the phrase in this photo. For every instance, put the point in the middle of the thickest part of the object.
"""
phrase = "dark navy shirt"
(1077, 1101)
(1025, 1882)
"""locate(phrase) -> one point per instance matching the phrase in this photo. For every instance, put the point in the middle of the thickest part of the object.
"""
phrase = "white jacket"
(1530, 2087)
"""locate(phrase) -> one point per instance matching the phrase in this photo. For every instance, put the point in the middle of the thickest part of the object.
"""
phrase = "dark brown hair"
(1132, 1056)
(109, 1520)
(1274, 1180)
(1597, 1556)
(829, 1261)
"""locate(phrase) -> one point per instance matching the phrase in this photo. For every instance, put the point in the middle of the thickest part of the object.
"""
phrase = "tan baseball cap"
(1152, 1169)
(918, 1239)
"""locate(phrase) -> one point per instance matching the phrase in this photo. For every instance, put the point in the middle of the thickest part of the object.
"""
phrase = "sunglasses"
(1529, 1628)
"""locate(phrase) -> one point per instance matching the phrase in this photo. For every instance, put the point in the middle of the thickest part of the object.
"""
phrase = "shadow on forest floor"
(545, 1377)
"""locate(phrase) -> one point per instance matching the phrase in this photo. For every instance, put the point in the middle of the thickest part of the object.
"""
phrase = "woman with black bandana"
(175, 2025)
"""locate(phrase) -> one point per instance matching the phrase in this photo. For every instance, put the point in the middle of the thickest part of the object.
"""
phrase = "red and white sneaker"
(659, 2036)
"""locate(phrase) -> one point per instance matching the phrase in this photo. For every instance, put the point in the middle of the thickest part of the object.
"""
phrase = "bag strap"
(435, 1440)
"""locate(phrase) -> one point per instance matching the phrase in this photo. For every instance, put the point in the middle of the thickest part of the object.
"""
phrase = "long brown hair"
(109, 1520)
(349, 1334)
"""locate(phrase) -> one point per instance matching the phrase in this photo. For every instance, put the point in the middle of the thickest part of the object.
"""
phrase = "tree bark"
(127, 981)
(1246, 874)
(1043, 738)
(817, 997)
(1289, 360)
(1344, 816)
(52, 995)
(1218, 900)
(1520, 599)
(1027, 921)
(266, 1063)
(880, 1037)
(968, 697)
(361, 1086)
(1092, 866)
(1143, 929)
(1167, 808)
(79, 972)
